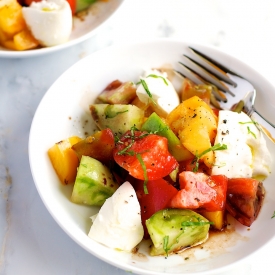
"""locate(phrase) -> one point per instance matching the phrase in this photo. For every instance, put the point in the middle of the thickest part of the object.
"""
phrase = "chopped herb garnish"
(117, 140)
(195, 221)
(216, 147)
(125, 150)
(165, 244)
(144, 172)
(144, 84)
(273, 216)
(222, 164)
(198, 223)
(249, 122)
(114, 114)
(158, 76)
(250, 132)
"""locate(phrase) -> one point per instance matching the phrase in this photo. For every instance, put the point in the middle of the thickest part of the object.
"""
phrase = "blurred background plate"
(85, 25)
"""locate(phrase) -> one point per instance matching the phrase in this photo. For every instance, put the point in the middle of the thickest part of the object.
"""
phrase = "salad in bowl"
(32, 27)
(142, 170)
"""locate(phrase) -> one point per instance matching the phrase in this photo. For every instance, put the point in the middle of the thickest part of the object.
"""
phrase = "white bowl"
(64, 112)
(84, 27)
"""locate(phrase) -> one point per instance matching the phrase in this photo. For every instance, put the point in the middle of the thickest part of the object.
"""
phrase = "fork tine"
(214, 67)
(195, 77)
(206, 75)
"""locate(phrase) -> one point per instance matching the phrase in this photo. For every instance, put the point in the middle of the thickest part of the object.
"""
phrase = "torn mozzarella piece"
(118, 223)
(50, 21)
(247, 154)
(161, 94)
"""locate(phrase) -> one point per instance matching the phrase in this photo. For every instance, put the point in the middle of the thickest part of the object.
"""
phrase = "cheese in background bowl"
(50, 21)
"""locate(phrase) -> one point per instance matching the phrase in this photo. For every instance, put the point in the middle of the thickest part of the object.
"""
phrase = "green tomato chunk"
(94, 183)
(173, 230)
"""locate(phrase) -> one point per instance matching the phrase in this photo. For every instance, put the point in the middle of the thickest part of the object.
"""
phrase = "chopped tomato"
(72, 4)
(145, 156)
(244, 199)
(99, 146)
(216, 111)
(190, 165)
(28, 2)
(199, 191)
(159, 195)
(190, 89)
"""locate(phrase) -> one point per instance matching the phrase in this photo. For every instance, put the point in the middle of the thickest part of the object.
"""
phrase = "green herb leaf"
(216, 147)
(198, 223)
(273, 216)
(144, 172)
(158, 76)
(114, 114)
(250, 132)
(144, 84)
(249, 122)
(165, 244)
(125, 150)
(195, 221)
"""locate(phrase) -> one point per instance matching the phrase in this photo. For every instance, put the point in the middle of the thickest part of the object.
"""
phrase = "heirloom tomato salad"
(166, 165)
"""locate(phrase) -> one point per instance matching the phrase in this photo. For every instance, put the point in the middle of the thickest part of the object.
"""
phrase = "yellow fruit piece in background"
(11, 18)
(24, 40)
(64, 159)
(5, 36)
(9, 44)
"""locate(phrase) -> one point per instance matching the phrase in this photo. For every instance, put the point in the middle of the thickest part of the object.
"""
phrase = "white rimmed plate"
(64, 111)
(84, 26)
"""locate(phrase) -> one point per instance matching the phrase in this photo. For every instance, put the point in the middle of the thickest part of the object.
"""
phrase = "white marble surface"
(31, 242)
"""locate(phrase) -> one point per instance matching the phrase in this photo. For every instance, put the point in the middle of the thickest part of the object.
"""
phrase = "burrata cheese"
(50, 21)
(155, 89)
(118, 223)
(247, 154)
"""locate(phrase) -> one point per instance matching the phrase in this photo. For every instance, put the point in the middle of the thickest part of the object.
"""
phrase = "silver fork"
(202, 69)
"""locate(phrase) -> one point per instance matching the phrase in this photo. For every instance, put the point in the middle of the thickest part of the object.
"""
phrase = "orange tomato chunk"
(64, 159)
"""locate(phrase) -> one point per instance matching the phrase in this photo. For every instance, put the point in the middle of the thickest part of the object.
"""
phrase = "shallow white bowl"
(64, 112)
(84, 27)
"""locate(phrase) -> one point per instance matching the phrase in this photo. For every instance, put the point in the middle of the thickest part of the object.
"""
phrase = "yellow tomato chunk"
(217, 217)
(24, 40)
(11, 17)
(196, 126)
(64, 159)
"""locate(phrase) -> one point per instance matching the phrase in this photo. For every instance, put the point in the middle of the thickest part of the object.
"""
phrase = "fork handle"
(267, 127)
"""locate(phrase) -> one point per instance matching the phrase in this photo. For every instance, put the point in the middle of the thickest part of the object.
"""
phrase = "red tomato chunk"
(200, 191)
(153, 150)
(244, 199)
(159, 195)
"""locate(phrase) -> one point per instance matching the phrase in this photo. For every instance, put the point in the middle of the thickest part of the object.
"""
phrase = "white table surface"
(31, 241)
